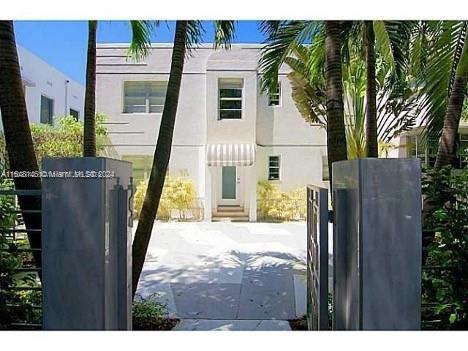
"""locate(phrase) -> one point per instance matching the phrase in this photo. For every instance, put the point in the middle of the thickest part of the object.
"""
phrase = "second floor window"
(144, 97)
(230, 98)
(47, 110)
(274, 98)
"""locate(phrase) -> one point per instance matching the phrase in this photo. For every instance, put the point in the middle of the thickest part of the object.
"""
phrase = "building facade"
(228, 134)
(48, 92)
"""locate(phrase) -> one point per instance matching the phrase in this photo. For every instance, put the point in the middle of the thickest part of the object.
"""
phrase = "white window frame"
(278, 167)
(147, 89)
(241, 98)
(276, 96)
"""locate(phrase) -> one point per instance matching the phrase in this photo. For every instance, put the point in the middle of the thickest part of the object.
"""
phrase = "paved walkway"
(228, 276)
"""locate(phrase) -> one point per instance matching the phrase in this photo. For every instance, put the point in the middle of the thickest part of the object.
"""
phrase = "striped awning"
(230, 154)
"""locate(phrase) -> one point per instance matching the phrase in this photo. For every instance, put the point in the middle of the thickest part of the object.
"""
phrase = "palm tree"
(141, 35)
(395, 113)
(371, 92)
(18, 140)
(89, 133)
(186, 34)
(282, 38)
(447, 153)
(336, 133)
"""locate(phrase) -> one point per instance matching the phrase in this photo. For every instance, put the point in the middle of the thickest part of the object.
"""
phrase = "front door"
(229, 186)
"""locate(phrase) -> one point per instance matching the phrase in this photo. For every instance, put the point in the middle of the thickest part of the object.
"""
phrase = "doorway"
(230, 186)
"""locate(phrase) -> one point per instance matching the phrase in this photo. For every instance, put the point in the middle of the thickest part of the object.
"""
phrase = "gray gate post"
(377, 244)
(86, 273)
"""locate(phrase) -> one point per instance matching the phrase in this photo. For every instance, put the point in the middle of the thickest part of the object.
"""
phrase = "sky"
(63, 44)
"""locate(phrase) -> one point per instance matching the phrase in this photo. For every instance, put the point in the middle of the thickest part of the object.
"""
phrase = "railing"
(22, 291)
(193, 213)
(317, 258)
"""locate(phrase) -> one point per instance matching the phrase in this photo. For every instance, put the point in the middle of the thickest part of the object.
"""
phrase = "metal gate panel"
(317, 258)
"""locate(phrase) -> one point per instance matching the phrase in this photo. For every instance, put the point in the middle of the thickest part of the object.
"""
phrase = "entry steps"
(230, 213)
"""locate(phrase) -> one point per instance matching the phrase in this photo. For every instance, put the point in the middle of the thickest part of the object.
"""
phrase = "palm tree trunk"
(18, 140)
(89, 133)
(447, 152)
(371, 100)
(161, 157)
(336, 135)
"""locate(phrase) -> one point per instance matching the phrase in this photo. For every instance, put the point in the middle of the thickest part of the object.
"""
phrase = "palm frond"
(281, 38)
(224, 33)
(442, 47)
(141, 38)
(195, 32)
(383, 43)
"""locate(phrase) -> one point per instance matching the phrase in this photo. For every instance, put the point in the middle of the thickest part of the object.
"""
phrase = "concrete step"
(230, 209)
(230, 214)
(219, 218)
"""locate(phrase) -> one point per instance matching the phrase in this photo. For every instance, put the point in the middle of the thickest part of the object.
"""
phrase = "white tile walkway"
(228, 276)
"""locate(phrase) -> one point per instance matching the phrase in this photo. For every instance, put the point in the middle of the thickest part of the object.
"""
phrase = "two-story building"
(48, 92)
(228, 134)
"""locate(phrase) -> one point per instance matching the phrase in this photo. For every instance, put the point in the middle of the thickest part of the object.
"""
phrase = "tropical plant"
(141, 35)
(435, 58)
(178, 194)
(395, 112)
(445, 280)
(151, 314)
(65, 137)
(447, 152)
(282, 38)
(15, 306)
(277, 205)
(89, 134)
(187, 33)
(18, 140)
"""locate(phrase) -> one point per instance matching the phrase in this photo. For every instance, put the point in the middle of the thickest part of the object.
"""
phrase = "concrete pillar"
(377, 244)
(252, 192)
(208, 194)
(86, 244)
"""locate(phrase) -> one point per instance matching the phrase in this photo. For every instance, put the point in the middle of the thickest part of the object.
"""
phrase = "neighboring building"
(413, 144)
(48, 92)
(228, 134)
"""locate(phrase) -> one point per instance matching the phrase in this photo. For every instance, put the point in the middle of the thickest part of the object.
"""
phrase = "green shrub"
(178, 194)
(274, 204)
(15, 306)
(445, 276)
(149, 313)
(65, 137)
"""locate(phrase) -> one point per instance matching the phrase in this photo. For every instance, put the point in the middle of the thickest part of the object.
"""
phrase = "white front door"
(230, 186)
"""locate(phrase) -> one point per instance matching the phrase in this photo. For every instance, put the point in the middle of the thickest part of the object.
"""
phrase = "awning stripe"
(230, 154)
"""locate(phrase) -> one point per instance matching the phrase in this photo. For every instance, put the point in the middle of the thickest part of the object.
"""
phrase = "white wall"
(275, 129)
(42, 79)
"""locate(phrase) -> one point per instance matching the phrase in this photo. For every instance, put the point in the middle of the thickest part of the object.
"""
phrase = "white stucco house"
(48, 92)
(228, 134)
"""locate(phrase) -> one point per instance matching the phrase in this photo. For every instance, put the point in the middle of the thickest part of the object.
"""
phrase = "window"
(75, 114)
(141, 166)
(230, 98)
(426, 150)
(144, 97)
(273, 168)
(274, 98)
(47, 110)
